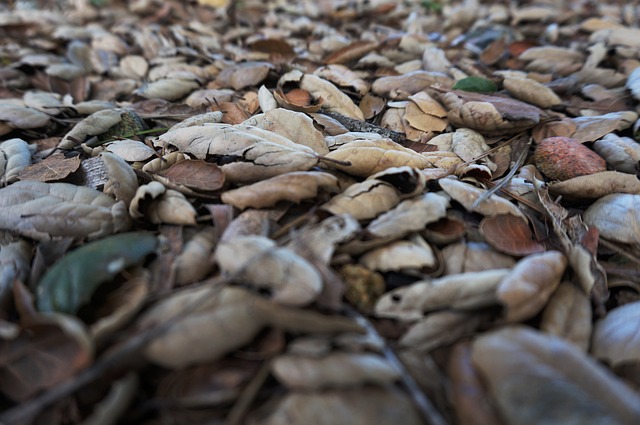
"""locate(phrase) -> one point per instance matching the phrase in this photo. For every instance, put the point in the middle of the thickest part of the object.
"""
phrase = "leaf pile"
(281, 212)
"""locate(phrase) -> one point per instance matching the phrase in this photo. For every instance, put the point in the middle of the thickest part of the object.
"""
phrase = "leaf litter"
(316, 213)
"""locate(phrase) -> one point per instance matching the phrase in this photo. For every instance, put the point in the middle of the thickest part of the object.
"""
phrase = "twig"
(239, 409)
(427, 410)
(357, 125)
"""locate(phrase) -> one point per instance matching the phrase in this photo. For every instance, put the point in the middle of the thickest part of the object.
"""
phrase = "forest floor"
(330, 212)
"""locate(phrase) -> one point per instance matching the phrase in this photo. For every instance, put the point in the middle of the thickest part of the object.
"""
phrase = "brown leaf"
(352, 52)
(510, 234)
(48, 351)
(195, 174)
(617, 217)
(55, 167)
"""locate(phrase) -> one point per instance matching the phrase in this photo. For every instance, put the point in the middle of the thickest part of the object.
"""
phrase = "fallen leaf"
(616, 216)
(510, 234)
(71, 282)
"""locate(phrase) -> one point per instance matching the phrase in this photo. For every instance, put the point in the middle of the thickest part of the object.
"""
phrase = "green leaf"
(476, 84)
(71, 282)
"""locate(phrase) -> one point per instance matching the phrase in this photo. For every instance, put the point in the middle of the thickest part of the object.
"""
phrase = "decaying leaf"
(621, 153)
(167, 89)
(293, 187)
(558, 381)
(94, 125)
(510, 234)
(257, 260)
(334, 99)
(406, 255)
(71, 282)
(439, 329)
(364, 200)
(531, 91)
(596, 185)
(196, 259)
(45, 210)
(123, 182)
(20, 117)
(30, 362)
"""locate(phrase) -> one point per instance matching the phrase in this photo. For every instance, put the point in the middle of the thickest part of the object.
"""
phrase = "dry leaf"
(510, 234)
(48, 351)
(45, 210)
(402, 256)
(161, 205)
(559, 382)
(458, 291)
(617, 217)
(467, 194)
(615, 337)
(343, 77)
(52, 168)
(196, 259)
(473, 256)
(527, 288)
(244, 75)
(409, 83)
(531, 91)
(289, 278)
(20, 117)
(130, 150)
(123, 182)
(439, 329)
(364, 200)
(335, 370)
(361, 406)
(621, 153)
(293, 187)
(590, 129)
(194, 174)
(15, 156)
(595, 186)
(334, 99)
(409, 216)
(568, 316)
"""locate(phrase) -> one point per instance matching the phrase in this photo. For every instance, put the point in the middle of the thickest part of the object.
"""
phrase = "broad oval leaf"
(70, 283)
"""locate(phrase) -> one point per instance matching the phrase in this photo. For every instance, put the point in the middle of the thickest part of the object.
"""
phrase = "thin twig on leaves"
(426, 409)
(356, 125)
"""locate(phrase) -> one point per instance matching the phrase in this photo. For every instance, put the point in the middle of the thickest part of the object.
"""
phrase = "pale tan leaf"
(21, 117)
(369, 157)
(343, 77)
(266, 99)
(123, 182)
(617, 217)
(410, 83)
(244, 75)
(558, 383)
(616, 339)
(47, 102)
(531, 91)
(133, 66)
(334, 99)
(45, 210)
(335, 370)
(411, 255)
(364, 200)
(590, 129)
(409, 216)
(464, 257)
(420, 120)
(15, 156)
(131, 150)
(201, 119)
(568, 316)
(360, 406)
(295, 126)
(167, 89)
(196, 259)
(621, 153)
(158, 165)
(467, 194)
(471, 147)
(161, 205)
(246, 154)
(457, 291)
(260, 263)
(439, 329)
(293, 187)
(526, 289)
(206, 97)
(596, 185)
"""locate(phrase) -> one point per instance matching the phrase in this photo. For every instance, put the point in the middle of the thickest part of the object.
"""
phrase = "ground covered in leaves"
(330, 212)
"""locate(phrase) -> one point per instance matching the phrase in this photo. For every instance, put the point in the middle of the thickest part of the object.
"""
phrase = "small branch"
(427, 410)
(356, 125)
